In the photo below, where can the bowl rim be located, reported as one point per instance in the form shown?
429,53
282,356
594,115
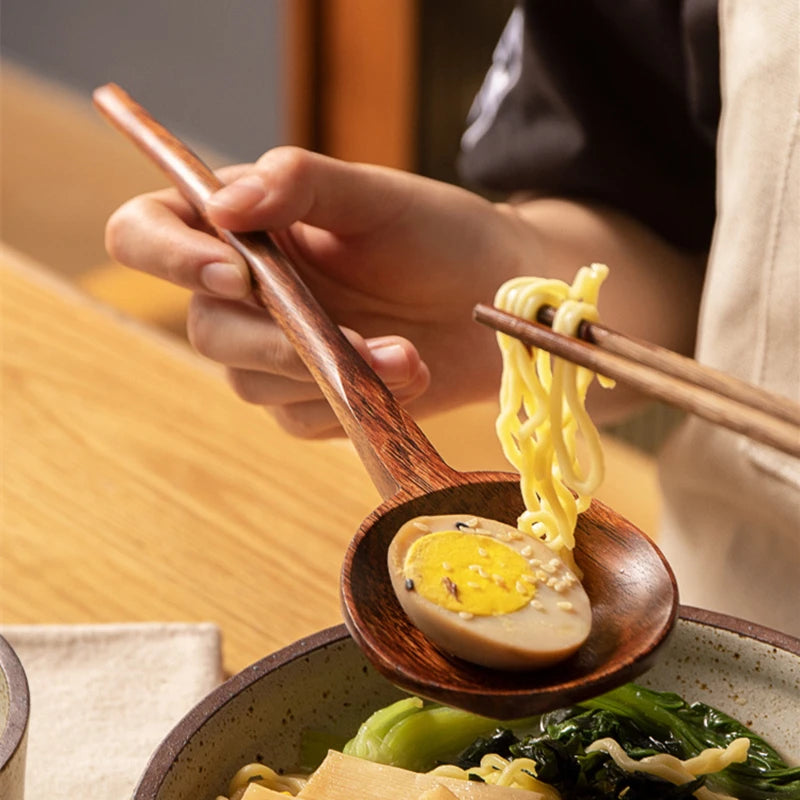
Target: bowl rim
170,748
19,703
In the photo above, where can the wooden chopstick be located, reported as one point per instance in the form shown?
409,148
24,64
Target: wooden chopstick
682,367
660,373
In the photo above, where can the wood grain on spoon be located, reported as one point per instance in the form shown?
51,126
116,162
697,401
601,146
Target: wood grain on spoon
630,585
383,433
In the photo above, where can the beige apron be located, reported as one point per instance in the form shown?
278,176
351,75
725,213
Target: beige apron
732,507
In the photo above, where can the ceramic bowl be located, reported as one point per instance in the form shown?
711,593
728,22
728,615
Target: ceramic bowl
324,683
14,713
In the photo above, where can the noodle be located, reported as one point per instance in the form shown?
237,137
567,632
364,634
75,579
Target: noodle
517,773
674,770
542,414
266,777
541,421
520,773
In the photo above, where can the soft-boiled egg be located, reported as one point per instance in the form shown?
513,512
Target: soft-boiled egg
488,593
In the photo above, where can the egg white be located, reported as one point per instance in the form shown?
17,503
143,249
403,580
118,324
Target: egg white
544,631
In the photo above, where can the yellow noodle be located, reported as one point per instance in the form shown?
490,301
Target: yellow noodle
517,773
520,773
542,413
541,421
264,776
672,769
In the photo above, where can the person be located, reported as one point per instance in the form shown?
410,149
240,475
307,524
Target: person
599,122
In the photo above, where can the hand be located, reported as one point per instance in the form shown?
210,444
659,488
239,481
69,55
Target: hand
397,260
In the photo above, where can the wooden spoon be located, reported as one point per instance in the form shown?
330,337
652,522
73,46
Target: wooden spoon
629,583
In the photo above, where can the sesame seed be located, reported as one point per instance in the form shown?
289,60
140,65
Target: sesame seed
526,551
521,587
537,604
564,605
482,552
446,566
465,615
421,526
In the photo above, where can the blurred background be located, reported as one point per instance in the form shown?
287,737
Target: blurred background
368,80
383,81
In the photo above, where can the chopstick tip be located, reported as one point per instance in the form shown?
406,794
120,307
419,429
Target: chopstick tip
103,93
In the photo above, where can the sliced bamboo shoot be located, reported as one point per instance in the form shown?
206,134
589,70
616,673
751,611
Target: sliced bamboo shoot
256,792
439,793
342,777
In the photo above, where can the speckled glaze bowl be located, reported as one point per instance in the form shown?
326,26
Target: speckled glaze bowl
324,683
14,714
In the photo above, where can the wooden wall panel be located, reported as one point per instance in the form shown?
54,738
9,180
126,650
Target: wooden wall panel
353,67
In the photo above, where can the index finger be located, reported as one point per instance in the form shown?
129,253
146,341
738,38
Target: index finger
161,234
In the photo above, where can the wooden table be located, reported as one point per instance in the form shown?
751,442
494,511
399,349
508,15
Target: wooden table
136,486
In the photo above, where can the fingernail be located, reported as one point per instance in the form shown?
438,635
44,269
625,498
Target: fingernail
390,361
241,195
224,279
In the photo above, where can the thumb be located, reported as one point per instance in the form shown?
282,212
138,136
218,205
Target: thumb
395,361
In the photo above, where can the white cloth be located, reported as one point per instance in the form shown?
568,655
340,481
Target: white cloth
104,696
732,506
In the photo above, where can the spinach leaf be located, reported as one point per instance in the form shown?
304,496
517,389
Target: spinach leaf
499,741
665,716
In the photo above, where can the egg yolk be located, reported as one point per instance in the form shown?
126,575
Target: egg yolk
469,573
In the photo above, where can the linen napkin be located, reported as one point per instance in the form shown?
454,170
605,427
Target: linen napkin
104,696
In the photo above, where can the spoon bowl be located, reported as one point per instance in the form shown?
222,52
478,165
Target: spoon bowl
631,588
629,584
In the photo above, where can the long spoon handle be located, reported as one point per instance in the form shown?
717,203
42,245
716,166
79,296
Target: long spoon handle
394,450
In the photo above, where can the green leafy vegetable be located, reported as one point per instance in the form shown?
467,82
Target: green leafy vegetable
559,752
499,741
368,743
415,736
695,727
406,734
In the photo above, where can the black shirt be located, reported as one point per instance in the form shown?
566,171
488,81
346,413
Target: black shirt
613,101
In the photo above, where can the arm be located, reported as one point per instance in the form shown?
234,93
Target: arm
399,261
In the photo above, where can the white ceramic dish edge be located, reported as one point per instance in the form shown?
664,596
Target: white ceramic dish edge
259,713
